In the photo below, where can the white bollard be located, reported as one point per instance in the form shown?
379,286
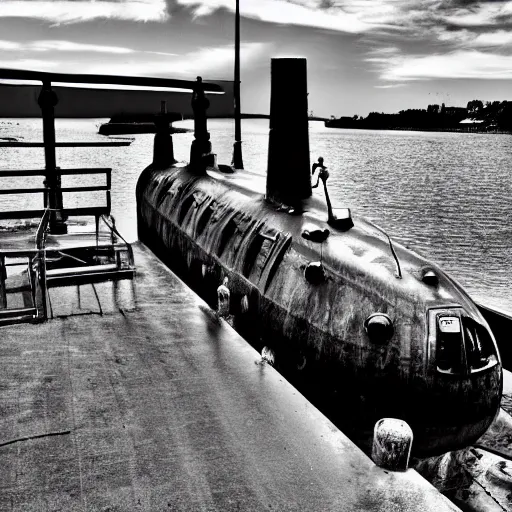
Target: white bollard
392,442
223,298
244,304
267,355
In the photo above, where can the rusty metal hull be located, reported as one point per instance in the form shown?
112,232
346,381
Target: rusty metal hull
207,227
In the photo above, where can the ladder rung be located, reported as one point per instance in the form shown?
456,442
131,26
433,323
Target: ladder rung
20,288
71,212
6,173
15,312
94,277
54,272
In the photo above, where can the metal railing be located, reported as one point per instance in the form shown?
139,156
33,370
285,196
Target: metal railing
38,276
47,265
52,185
31,282
66,212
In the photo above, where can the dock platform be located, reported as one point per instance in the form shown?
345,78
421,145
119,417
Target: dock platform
149,403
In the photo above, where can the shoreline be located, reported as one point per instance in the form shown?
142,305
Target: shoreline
410,129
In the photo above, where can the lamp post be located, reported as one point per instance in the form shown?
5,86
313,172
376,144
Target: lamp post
237,161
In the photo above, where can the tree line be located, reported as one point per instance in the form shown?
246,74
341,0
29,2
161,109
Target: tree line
479,115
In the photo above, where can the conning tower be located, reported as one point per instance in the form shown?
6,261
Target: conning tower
288,174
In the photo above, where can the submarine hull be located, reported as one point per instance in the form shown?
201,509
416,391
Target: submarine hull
206,229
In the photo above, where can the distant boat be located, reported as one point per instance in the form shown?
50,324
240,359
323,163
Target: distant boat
138,123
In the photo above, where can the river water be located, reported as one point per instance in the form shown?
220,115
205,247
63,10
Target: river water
445,195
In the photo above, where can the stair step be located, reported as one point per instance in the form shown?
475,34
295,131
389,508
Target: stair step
78,278
17,312
57,272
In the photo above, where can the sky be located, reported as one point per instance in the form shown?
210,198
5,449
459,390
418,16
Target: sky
363,55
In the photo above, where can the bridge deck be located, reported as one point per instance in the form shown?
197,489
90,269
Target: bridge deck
158,407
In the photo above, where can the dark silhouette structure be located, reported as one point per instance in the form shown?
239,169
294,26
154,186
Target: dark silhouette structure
288,175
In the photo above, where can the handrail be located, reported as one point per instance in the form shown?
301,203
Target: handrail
72,78
93,144
7,173
41,230
10,191
70,212
40,239
114,230
99,210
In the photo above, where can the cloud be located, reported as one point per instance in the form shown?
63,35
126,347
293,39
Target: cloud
61,11
479,14
468,39
32,64
498,38
283,12
63,46
458,64
389,86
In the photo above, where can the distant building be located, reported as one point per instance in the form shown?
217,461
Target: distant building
472,122
469,124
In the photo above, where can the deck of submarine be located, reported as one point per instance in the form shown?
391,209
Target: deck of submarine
154,405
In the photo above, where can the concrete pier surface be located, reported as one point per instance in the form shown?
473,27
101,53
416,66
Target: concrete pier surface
154,405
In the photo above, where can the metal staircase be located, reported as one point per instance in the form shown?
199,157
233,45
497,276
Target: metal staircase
56,254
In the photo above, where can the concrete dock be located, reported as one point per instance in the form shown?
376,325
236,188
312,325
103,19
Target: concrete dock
154,405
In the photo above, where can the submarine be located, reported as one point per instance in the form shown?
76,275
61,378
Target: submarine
363,326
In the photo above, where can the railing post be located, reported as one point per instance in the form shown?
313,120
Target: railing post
163,150
42,277
201,155
47,101
3,277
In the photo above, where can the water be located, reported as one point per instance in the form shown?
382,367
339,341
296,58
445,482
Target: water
445,195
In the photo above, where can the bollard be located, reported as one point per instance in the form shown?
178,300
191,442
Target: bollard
392,442
268,355
244,304
223,298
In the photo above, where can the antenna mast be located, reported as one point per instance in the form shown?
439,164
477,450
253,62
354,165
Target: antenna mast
237,162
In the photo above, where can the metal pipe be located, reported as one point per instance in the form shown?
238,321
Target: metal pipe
20,74
47,101
237,162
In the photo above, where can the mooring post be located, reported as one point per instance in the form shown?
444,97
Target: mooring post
201,155
288,174
392,442
163,149
223,298
47,101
